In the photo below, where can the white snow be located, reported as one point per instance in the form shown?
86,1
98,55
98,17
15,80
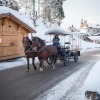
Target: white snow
87,46
71,88
59,91
94,37
92,82
12,63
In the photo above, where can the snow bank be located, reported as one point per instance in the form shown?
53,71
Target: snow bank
92,82
87,46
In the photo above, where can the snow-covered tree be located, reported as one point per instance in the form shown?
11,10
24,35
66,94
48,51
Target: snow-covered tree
26,5
10,3
52,10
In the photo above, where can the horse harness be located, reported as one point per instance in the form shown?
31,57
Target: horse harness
44,47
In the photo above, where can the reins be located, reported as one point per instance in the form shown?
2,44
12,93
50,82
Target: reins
41,48
29,49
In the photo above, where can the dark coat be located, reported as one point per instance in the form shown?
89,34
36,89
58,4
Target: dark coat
56,41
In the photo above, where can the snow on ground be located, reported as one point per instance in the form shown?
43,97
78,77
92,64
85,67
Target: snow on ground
87,46
63,88
71,88
14,63
92,83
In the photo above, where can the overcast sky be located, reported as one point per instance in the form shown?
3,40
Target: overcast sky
75,10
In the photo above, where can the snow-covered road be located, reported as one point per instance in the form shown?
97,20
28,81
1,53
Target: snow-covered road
71,88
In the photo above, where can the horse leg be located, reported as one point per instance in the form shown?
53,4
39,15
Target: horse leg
53,66
41,65
27,64
54,58
33,60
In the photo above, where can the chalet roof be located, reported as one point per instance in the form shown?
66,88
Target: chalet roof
27,23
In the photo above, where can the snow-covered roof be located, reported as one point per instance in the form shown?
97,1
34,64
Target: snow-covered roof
57,31
93,25
5,10
94,37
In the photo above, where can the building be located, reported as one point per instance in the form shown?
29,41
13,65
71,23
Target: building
13,27
88,28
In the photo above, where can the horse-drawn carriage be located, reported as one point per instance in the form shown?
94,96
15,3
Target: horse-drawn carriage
66,51
50,53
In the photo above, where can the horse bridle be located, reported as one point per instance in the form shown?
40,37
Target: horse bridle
27,47
39,47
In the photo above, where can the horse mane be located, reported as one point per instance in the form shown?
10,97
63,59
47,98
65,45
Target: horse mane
29,40
39,39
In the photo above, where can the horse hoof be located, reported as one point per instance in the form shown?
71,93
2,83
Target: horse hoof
41,70
27,70
34,68
53,67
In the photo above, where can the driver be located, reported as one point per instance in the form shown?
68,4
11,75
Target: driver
56,40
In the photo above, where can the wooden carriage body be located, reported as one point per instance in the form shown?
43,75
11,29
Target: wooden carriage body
12,31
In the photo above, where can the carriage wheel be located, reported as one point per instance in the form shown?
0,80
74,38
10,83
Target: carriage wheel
75,57
49,61
66,59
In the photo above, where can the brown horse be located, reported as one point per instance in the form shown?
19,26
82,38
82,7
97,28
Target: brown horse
27,43
44,52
